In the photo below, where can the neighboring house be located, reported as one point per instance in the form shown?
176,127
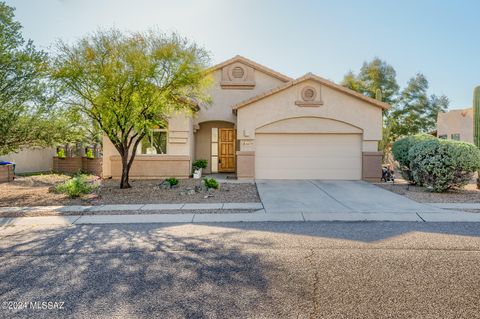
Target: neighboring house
265,125
456,125
31,160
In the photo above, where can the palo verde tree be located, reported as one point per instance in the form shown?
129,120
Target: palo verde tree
131,83
28,113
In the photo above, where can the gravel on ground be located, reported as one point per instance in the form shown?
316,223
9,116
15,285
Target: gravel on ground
37,191
147,192
469,194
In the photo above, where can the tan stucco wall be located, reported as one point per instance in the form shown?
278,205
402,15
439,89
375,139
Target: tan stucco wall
154,166
180,142
456,122
336,106
371,164
203,140
31,159
245,165
223,99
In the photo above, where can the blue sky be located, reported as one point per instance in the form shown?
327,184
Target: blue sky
438,38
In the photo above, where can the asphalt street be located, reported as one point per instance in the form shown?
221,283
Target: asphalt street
242,270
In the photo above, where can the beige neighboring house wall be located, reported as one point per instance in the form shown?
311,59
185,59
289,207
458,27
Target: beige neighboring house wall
305,128
456,122
31,160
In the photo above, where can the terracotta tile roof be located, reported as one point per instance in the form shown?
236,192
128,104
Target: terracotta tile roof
311,76
253,64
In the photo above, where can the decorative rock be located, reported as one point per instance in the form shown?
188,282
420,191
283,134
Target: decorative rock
191,192
200,188
164,185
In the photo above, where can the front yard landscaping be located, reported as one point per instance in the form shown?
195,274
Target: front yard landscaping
468,194
38,190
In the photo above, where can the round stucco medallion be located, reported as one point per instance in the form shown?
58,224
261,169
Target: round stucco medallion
238,72
309,93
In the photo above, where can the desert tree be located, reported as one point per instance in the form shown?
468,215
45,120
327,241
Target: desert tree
29,115
131,83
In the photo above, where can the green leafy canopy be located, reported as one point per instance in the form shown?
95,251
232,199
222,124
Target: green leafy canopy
28,113
413,109
131,83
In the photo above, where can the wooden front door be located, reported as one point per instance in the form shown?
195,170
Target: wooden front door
226,150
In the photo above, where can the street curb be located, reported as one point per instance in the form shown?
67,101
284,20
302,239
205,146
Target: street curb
258,216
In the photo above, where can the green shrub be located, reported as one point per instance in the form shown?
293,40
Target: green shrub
172,181
210,183
400,151
89,153
201,163
61,153
75,187
443,164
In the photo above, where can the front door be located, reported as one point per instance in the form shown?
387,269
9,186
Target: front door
226,150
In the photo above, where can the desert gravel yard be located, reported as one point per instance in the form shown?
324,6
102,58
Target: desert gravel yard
469,194
37,191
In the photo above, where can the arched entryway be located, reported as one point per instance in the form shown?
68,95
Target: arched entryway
216,142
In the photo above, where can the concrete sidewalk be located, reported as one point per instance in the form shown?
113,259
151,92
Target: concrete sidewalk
258,216
133,207
456,205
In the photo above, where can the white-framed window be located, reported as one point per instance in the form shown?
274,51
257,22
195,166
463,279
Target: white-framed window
154,143
443,136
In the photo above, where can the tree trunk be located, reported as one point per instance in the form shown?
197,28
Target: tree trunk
124,182
124,150
478,179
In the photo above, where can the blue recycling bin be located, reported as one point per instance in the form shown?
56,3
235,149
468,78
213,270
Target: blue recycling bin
6,163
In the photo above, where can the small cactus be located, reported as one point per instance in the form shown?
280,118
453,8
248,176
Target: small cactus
378,95
476,123
476,116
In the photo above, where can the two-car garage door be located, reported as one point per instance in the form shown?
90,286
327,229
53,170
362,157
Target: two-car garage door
308,156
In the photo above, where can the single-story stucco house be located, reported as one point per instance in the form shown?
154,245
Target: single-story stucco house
456,125
265,125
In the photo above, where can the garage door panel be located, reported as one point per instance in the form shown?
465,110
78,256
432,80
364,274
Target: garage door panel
308,156
309,162
308,174
299,152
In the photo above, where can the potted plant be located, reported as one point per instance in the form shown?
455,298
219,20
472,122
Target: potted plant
89,154
198,166
61,153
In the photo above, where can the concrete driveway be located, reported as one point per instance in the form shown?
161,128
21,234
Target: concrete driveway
321,196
